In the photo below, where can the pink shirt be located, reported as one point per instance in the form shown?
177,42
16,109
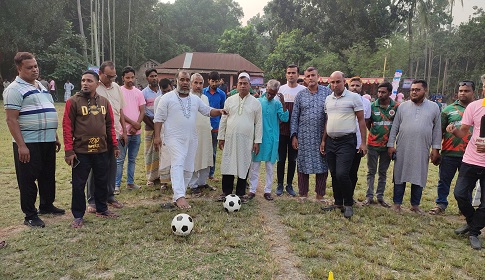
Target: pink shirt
473,116
52,85
133,100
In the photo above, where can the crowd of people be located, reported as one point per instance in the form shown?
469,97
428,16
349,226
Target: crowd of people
305,128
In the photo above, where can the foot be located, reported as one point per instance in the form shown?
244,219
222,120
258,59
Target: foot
182,203
211,177
150,183
290,191
115,204
463,229
77,223
251,195
333,207
475,242
163,186
320,198
368,201
279,190
348,212
117,191
268,196
383,203
133,187
3,244
107,215
207,186
196,192
397,208
52,210
437,210
221,197
302,199
34,222
417,210
91,209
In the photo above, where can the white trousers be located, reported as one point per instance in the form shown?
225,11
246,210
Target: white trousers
254,176
199,178
180,179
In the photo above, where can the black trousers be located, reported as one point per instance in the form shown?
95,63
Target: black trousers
98,163
228,185
41,167
354,169
340,155
284,149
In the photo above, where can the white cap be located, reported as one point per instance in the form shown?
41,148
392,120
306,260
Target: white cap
243,74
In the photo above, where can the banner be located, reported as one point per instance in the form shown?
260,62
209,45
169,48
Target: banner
406,83
395,81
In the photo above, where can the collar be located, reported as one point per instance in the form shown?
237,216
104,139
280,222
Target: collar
101,83
343,94
391,102
22,81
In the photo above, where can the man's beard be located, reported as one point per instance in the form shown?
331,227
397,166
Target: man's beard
86,93
182,91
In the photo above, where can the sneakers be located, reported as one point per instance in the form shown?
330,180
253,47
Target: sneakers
251,195
77,223
463,229
115,204
133,187
290,191
52,210
475,242
34,222
107,214
117,191
348,212
279,190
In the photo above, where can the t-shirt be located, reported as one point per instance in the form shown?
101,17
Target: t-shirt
216,100
453,146
134,99
115,97
366,104
400,97
341,113
290,94
52,85
381,124
150,97
473,116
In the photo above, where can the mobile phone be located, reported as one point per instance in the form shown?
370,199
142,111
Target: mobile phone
75,162
122,142
393,156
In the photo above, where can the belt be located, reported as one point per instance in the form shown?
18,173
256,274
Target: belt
344,137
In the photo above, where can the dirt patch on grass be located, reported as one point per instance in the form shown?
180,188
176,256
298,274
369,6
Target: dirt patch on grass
277,237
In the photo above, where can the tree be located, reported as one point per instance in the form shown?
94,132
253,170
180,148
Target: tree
243,41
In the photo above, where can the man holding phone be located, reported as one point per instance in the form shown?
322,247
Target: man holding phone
89,132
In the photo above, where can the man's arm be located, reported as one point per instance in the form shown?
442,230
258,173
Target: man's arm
324,137
124,134
363,132
157,141
14,128
148,121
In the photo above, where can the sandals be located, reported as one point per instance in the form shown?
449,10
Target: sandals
150,183
3,244
107,214
436,210
77,223
268,197
368,201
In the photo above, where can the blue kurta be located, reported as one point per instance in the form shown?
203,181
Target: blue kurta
272,115
307,124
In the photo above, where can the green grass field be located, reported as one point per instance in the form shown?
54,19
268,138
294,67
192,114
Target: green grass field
283,239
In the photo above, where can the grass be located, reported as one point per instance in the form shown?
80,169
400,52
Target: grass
376,244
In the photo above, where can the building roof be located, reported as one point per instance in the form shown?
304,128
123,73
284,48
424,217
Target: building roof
224,63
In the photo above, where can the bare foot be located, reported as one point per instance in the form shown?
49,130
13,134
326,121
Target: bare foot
417,210
182,203
397,208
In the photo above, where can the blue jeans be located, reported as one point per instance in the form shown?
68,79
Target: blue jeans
467,178
132,146
448,167
416,193
214,150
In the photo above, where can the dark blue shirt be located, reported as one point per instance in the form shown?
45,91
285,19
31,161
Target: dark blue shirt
216,101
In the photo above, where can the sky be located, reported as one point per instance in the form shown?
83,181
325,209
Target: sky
460,13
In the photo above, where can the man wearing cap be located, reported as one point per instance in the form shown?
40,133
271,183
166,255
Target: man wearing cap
240,134
216,97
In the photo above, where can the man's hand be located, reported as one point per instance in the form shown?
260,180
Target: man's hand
221,144
363,149
136,125
58,146
117,153
157,143
451,128
390,151
294,143
435,157
256,148
132,131
24,154
322,148
70,160
480,148
224,112
125,137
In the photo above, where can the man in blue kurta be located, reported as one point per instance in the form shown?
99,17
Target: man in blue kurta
273,113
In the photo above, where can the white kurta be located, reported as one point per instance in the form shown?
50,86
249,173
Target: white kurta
240,129
179,132
203,157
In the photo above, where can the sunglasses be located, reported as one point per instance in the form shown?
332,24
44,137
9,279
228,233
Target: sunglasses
467,83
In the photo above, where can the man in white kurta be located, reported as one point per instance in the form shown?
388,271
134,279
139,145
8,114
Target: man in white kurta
240,133
204,154
177,112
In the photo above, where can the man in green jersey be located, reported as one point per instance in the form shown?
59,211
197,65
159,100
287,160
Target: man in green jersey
453,147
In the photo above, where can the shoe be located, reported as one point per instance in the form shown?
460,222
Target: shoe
163,186
290,191
196,192
34,222
437,210
52,210
417,210
244,199
332,207
207,186
116,204
77,223
348,212
251,195
383,203
279,190
475,242
221,197
268,197
117,191
368,201
91,209
463,229
133,187
397,208
150,183
106,214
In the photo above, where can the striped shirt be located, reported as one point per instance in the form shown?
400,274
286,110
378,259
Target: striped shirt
37,117
341,113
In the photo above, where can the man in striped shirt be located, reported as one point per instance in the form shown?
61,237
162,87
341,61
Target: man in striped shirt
32,121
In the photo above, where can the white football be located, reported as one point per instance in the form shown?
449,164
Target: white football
182,224
232,203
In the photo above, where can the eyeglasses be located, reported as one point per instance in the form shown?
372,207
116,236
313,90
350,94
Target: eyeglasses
112,77
416,89
467,83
